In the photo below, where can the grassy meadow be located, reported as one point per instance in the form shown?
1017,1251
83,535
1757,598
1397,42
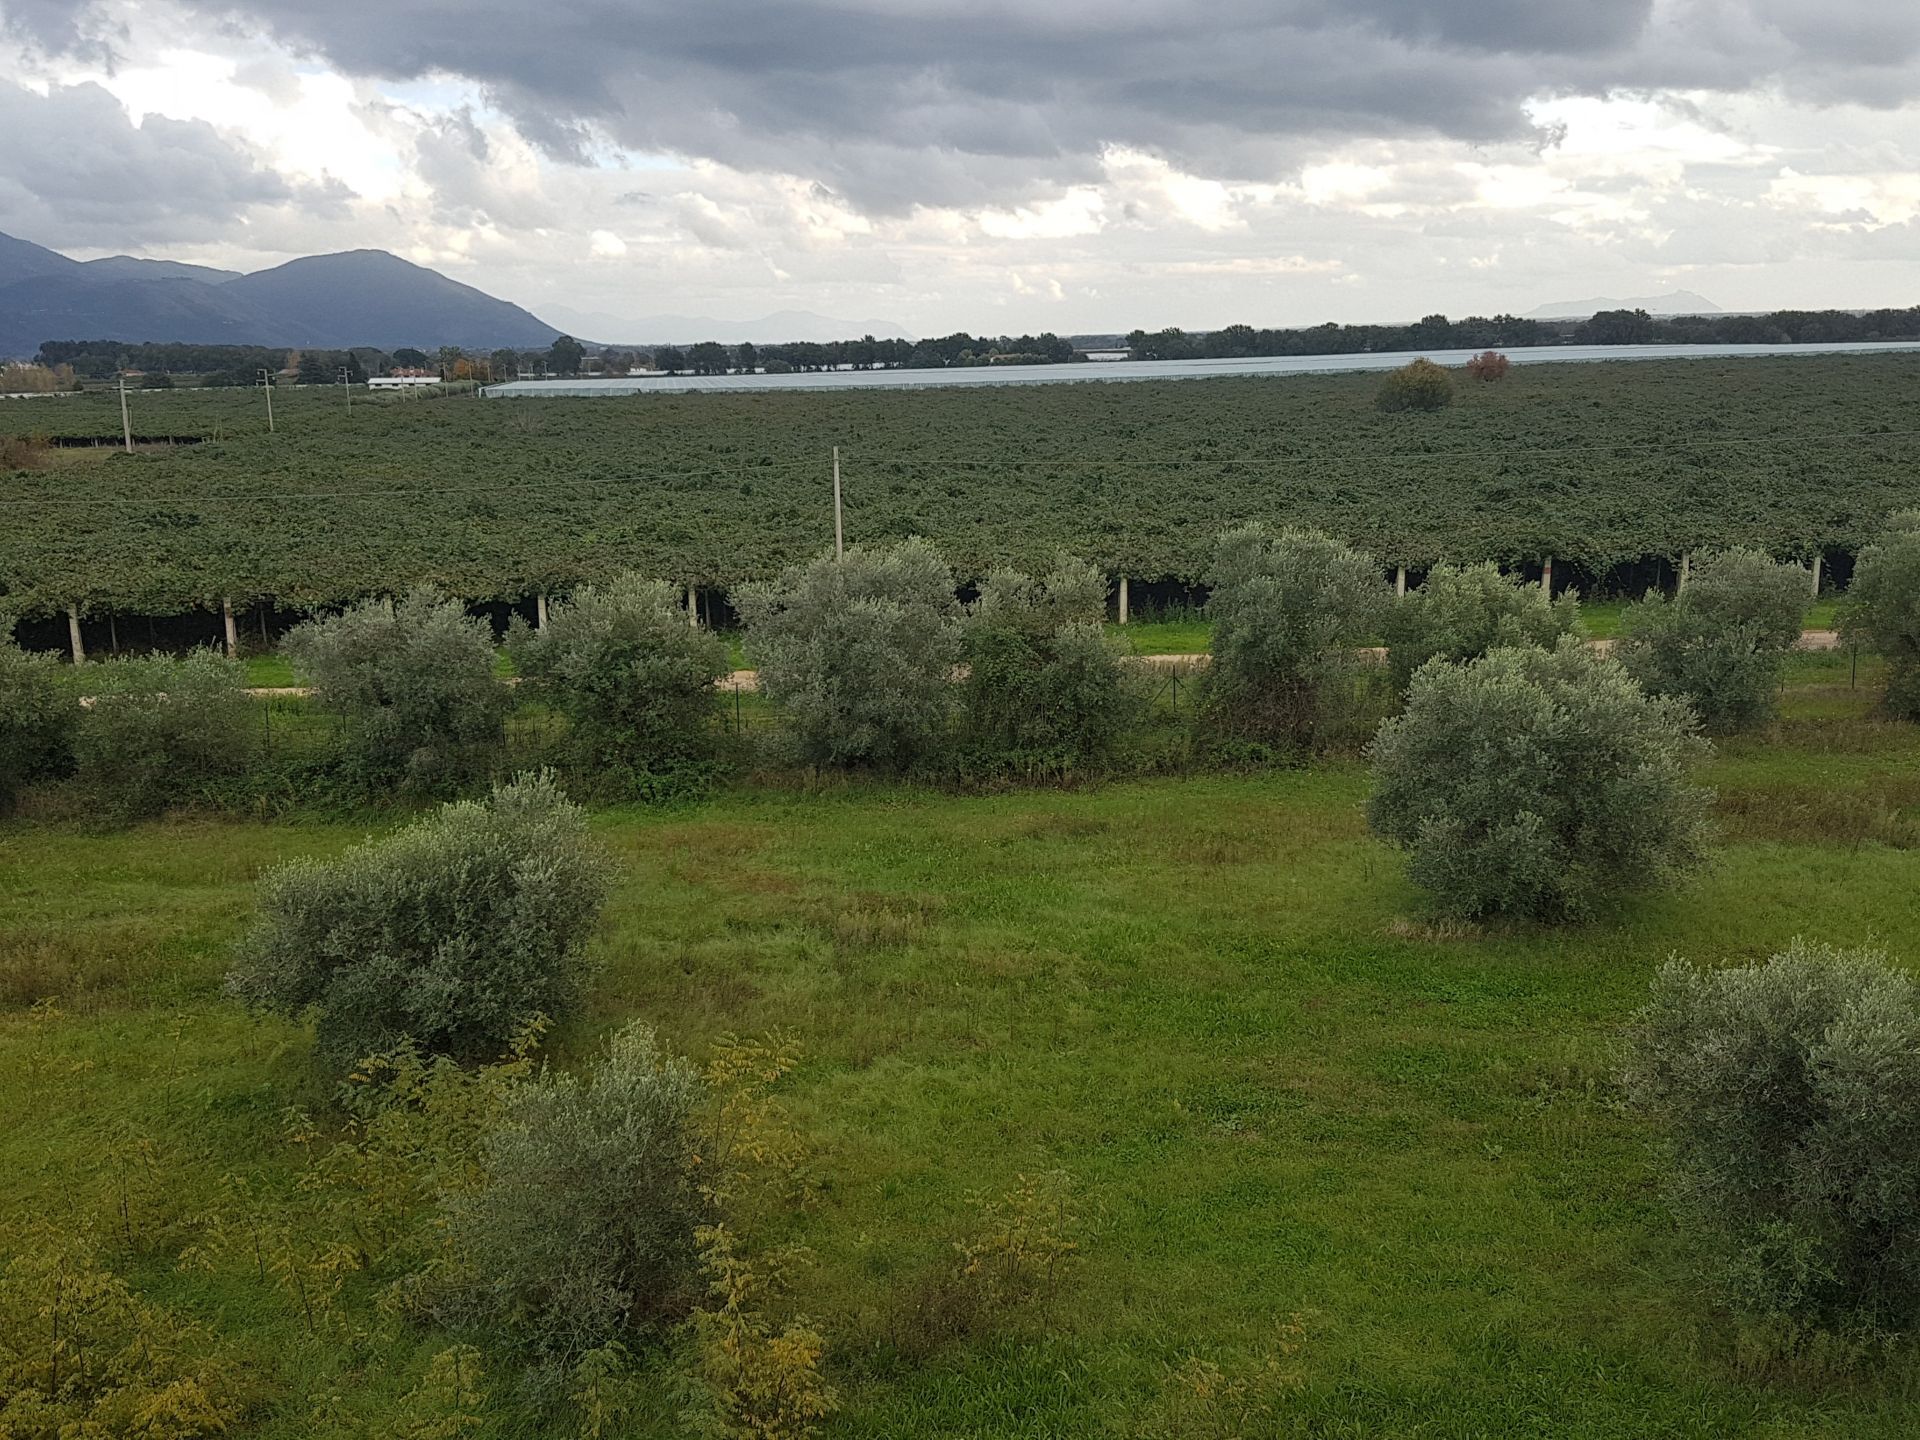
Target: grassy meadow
1371,1167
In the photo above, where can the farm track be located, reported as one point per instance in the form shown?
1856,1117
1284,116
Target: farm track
747,681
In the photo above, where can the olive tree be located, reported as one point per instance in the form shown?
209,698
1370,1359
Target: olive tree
1790,1094
1537,783
1721,643
156,731
37,717
1047,690
859,653
1460,612
1883,609
582,1231
412,686
1290,610
450,933
634,680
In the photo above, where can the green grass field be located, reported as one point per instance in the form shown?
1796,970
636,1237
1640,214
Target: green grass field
1282,1093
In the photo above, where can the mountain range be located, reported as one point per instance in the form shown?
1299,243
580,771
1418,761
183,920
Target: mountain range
1674,302
358,297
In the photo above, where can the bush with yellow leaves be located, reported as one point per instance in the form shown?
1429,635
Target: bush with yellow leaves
82,1355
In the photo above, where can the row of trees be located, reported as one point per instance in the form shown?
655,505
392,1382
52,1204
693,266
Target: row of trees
872,662
1476,332
710,357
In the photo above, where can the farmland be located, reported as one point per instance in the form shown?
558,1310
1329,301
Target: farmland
1372,1168
1613,469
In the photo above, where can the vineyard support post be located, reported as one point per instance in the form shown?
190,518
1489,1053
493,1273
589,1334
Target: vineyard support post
540,610
839,534
1400,582
1546,576
73,635
233,634
1123,599
126,424
693,608
1817,558
1686,564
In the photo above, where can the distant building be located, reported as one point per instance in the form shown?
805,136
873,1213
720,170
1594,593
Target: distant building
1108,354
401,382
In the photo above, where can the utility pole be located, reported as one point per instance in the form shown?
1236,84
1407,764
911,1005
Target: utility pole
126,425
346,379
839,534
266,384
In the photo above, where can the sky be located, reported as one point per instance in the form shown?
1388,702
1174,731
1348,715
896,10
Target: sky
990,165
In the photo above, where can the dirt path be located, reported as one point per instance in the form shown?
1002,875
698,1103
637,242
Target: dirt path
747,681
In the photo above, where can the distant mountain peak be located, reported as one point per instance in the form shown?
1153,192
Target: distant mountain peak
1673,302
350,298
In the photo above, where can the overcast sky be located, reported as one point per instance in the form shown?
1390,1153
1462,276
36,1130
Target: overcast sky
991,165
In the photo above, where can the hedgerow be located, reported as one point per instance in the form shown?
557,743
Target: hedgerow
858,654
411,685
1722,642
634,680
1290,610
1883,609
1047,692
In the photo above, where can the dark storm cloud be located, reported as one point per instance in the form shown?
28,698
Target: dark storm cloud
895,102
76,171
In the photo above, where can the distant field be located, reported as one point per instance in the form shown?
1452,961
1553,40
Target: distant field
1613,469
1283,1098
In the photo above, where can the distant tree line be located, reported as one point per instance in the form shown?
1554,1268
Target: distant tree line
240,364
1477,332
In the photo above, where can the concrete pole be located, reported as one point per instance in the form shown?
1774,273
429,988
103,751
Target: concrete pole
73,635
1123,599
126,424
1546,576
1686,564
233,635
1817,558
1400,582
839,535
540,611
693,609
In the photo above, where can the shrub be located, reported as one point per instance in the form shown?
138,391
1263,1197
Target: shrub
82,1355
1720,643
1489,365
157,732
635,681
413,687
1418,385
584,1228
1289,611
1047,691
451,933
1883,609
859,653
1537,782
1460,612
1791,1095
22,452
36,719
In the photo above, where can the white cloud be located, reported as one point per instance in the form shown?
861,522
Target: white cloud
1756,193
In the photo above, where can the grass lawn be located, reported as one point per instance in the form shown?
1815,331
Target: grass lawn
1214,1002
